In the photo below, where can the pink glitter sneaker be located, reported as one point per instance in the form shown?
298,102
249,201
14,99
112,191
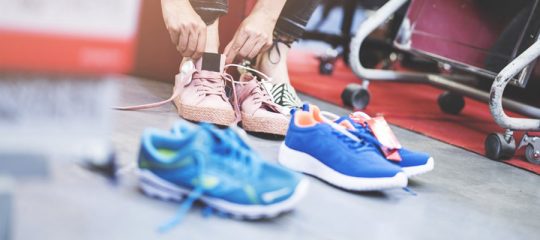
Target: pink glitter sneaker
258,112
202,98
199,92
199,95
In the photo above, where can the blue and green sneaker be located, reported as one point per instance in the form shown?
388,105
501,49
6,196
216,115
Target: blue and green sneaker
215,166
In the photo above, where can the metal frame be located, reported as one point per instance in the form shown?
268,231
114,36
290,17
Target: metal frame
366,28
497,89
447,82
402,42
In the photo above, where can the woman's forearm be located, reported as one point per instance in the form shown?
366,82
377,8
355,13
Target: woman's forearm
269,9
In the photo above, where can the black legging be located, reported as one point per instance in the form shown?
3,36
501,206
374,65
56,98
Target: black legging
290,25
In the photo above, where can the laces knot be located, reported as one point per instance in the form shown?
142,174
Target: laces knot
353,144
209,83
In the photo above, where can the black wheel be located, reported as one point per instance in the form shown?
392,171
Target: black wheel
451,103
356,96
326,67
532,155
498,148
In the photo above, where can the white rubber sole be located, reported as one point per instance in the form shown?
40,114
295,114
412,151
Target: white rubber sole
417,170
156,187
305,163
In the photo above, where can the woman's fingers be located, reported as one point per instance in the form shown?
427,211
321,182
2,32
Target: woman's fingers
201,45
174,37
256,49
189,38
249,40
247,47
267,44
186,28
232,49
192,44
182,42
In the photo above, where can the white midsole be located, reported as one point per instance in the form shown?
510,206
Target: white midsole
168,190
302,162
417,170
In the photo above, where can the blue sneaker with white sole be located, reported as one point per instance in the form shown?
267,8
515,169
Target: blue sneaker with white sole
329,152
201,162
412,163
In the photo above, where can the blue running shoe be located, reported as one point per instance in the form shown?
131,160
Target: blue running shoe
329,152
412,163
204,163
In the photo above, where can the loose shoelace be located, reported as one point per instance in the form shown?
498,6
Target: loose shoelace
211,85
355,144
360,132
237,160
365,134
354,138
187,70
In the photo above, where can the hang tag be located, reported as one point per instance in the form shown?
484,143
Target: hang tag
383,133
211,62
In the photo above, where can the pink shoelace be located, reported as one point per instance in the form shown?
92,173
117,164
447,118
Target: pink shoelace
209,83
186,74
212,85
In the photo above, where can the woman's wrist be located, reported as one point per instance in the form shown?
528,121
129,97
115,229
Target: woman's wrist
265,16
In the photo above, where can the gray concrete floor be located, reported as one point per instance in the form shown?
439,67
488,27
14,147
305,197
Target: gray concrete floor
466,197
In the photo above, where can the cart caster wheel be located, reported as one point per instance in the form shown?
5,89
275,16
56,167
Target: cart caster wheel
356,96
451,103
326,67
532,155
498,148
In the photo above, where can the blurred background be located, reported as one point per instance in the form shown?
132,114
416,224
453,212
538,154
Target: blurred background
62,63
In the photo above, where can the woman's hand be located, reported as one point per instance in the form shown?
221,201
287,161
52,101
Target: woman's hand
185,26
253,36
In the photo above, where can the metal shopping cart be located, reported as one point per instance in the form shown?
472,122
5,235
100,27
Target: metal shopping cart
472,40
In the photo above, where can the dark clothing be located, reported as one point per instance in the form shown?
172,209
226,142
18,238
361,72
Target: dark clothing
290,24
210,10
294,17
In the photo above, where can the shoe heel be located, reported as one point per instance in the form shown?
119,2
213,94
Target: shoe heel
154,187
